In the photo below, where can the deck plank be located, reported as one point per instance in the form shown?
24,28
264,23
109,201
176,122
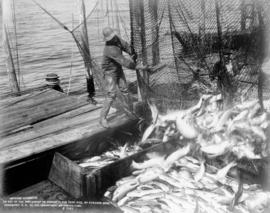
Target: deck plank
47,120
54,140
37,108
51,126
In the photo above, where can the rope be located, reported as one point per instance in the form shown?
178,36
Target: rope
20,77
91,12
71,63
199,54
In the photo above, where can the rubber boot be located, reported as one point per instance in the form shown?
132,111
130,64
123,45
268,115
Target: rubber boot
104,112
129,102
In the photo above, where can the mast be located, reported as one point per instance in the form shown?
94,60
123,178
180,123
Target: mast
219,31
86,51
137,22
261,54
9,33
202,26
153,7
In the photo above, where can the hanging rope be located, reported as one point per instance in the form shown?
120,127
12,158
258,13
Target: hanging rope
71,62
20,77
195,48
91,12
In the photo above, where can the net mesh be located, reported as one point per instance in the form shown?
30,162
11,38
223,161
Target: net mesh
189,36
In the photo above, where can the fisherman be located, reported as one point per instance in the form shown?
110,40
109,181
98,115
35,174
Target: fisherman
53,82
112,63
225,72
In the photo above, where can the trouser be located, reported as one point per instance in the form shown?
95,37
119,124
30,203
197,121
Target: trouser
227,92
114,82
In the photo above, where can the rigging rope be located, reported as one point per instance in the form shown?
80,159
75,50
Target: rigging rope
20,77
71,62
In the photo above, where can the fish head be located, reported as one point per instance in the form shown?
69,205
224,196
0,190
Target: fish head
154,111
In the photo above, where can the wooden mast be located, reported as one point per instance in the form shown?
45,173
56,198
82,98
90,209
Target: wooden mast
219,31
86,51
8,35
261,54
202,26
141,20
137,23
153,7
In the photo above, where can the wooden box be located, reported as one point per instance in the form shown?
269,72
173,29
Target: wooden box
91,184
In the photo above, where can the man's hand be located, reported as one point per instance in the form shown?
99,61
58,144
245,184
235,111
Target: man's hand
141,67
134,57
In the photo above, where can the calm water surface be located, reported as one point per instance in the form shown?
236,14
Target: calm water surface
44,47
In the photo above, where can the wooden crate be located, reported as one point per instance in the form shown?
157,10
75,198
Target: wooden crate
91,184
68,175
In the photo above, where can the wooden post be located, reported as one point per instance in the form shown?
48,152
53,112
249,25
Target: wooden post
261,54
138,26
219,31
8,35
86,52
143,39
202,26
153,7
117,18
243,15
132,15
172,40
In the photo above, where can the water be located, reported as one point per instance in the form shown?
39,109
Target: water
45,47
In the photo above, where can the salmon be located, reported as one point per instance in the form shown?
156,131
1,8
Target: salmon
223,120
142,193
158,161
247,105
198,176
162,186
175,156
253,111
127,209
121,191
173,207
186,127
215,150
123,201
171,181
221,174
259,132
148,132
149,175
241,116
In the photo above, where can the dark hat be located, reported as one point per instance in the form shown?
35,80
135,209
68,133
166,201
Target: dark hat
227,52
52,76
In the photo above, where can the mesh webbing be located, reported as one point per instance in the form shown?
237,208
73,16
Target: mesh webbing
185,35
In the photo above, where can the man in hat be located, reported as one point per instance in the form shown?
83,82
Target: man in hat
112,63
53,82
224,72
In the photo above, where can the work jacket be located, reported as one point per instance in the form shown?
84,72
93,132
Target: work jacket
113,59
225,81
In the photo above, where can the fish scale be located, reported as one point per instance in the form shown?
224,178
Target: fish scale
213,191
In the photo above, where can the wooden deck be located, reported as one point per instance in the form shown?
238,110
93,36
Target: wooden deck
44,120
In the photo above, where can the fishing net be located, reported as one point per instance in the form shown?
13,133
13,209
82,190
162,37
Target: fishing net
189,37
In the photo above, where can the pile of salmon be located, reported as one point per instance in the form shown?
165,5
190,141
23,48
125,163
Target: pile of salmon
183,181
109,157
184,185
238,131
